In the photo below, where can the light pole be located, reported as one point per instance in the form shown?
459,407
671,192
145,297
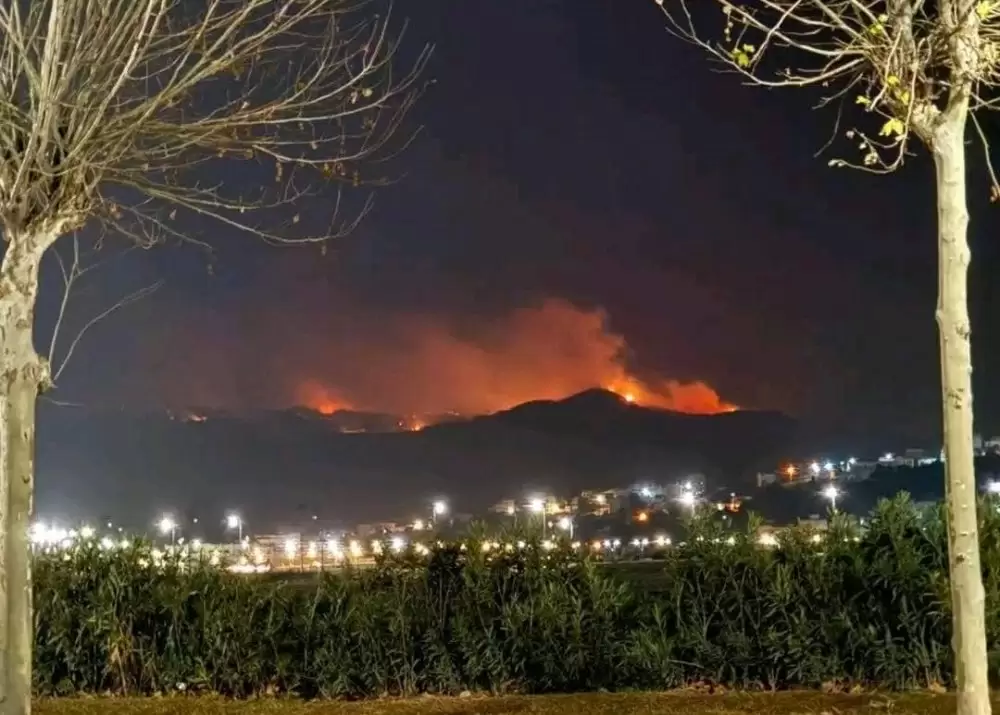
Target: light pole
831,493
538,507
688,499
233,521
169,526
438,508
566,524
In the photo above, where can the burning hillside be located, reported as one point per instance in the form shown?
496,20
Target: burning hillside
411,365
544,353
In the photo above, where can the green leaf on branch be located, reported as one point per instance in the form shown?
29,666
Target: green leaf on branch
878,28
892,127
742,55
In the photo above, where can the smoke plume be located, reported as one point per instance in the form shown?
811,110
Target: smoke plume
426,366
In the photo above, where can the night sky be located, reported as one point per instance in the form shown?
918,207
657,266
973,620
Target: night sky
576,163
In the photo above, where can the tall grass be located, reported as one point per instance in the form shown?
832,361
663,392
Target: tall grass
857,608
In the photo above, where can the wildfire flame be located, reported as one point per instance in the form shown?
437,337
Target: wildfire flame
546,353
418,365
317,397
695,398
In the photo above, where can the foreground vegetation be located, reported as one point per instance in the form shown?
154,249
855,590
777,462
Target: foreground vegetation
854,608
593,704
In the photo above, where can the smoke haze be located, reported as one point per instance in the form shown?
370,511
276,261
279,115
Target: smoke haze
545,352
411,364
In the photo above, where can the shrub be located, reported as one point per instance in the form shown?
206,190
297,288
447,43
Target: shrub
858,607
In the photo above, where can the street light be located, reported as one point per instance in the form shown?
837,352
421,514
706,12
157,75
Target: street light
688,498
566,524
169,526
831,492
537,506
438,508
234,522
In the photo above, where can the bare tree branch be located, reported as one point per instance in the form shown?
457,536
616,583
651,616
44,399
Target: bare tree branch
72,270
922,68
892,59
124,110
129,113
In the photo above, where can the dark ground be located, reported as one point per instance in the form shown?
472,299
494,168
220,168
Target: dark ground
685,703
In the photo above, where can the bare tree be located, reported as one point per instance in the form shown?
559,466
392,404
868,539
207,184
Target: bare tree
919,71
78,264
126,113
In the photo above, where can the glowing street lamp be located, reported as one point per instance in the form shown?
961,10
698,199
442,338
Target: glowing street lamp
831,493
537,506
438,509
235,523
169,526
566,524
688,498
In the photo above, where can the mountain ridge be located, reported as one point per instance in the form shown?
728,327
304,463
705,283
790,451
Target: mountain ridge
280,467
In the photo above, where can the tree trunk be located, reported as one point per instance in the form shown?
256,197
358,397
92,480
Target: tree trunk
967,596
22,373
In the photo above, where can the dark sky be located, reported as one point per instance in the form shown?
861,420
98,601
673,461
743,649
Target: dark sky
575,158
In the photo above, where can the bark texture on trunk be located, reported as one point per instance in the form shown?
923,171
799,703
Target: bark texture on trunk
22,373
967,596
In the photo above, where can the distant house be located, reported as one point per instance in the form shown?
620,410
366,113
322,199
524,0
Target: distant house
765,479
506,507
378,529
601,502
991,445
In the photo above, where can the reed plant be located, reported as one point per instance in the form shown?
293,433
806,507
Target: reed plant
861,605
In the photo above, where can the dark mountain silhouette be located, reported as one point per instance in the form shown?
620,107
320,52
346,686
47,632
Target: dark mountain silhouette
281,468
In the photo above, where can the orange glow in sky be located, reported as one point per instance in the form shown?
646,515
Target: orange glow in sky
547,352
315,396
691,397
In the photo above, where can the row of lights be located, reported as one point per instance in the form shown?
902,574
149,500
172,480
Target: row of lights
817,468
396,545
44,535
168,526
